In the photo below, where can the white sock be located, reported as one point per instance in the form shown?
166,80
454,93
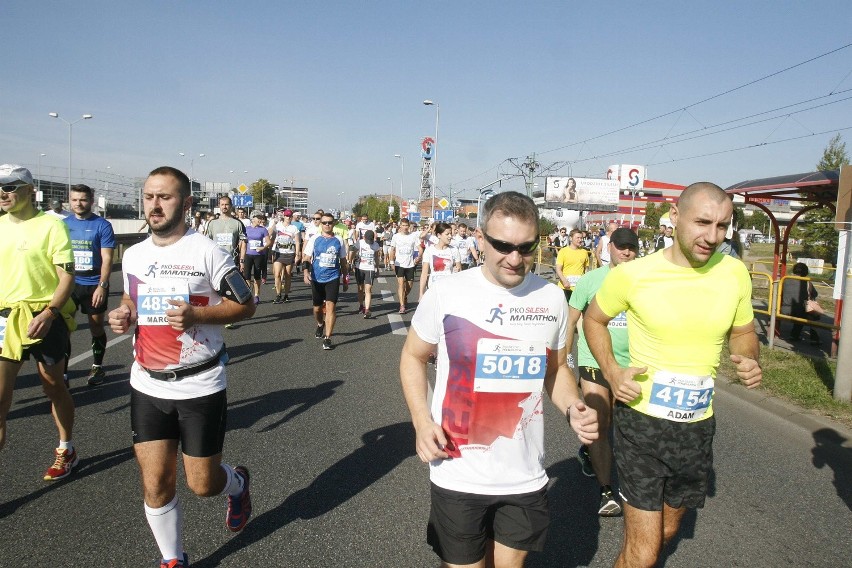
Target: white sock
66,446
167,525
233,483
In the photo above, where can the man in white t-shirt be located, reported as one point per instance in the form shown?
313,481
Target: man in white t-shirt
500,336
364,225
466,245
602,250
403,246
56,209
179,288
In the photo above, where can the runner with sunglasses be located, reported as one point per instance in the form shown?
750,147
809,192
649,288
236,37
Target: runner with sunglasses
500,334
325,264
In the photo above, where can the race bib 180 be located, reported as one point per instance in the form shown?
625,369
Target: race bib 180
509,365
83,260
152,300
679,397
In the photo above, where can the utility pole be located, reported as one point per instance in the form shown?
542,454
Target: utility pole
531,169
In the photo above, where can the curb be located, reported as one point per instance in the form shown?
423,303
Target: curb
783,409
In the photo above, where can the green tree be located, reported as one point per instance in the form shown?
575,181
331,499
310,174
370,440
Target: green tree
375,208
652,215
263,193
819,239
758,220
545,226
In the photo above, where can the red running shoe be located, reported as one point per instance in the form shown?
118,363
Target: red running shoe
62,465
239,507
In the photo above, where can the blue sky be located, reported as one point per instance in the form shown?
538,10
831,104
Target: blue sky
326,93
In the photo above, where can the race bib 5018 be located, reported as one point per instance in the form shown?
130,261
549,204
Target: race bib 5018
509,365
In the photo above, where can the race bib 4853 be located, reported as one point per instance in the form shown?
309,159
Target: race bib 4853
152,300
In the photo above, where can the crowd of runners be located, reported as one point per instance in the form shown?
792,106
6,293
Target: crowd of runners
499,336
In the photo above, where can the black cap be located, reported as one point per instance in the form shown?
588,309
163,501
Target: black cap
624,237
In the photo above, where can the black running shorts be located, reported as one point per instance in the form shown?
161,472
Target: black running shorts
460,524
593,375
253,266
82,296
660,460
199,423
407,273
364,276
325,291
53,347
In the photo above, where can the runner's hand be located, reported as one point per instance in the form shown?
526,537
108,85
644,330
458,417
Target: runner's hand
119,319
40,325
98,297
584,421
182,317
624,385
430,442
748,370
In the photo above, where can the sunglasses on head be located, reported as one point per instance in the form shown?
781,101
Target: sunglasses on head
12,188
524,249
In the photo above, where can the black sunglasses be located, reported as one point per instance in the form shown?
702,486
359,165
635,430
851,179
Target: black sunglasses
12,188
317,218
524,249
326,222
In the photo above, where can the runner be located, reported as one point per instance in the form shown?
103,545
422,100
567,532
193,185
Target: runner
681,305
177,380
228,233
325,266
439,260
258,242
36,312
365,273
500,335
93,241
403,248
466,245
286,247
571,263
596,459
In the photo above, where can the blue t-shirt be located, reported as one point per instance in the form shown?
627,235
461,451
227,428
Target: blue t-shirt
88,237
327,253
255,236
300,226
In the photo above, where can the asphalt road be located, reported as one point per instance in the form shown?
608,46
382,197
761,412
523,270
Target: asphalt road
335,481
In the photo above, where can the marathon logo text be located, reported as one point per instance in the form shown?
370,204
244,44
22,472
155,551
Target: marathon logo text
179,270
531,313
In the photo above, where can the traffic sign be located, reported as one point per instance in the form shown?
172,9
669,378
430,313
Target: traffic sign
243,200
444,203
443,214
242,189
414,217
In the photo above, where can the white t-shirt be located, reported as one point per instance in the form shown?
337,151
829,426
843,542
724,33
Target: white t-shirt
284,238
492,348
362,228
604,242
191,268
311,230
62,215
367,255
464,244
404,247
441,262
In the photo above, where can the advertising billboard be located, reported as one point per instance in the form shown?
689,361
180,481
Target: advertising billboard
582,194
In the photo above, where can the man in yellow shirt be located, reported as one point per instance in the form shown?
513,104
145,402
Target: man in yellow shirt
571,262
38,277
681,305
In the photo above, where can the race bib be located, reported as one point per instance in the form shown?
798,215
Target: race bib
83,260
618,322
2,331
253,244
224,241
680,398
572,280
285,242
509,365
152,300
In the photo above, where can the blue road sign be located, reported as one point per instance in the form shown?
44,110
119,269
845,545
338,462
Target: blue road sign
414,217
443,214
243,200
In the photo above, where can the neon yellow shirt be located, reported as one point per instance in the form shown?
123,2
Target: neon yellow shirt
677,321
29,252
572,263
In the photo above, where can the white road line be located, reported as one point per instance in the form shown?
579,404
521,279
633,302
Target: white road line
387,296
87,354
397,325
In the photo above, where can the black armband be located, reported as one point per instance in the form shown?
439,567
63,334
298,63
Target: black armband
234,287
306,265
67,267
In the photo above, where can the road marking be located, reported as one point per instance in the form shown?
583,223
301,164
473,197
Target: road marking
87,354
397,324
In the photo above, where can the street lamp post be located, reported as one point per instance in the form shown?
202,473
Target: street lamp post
428,102
40,156
191,169
70,125
401,179
633,203
340,198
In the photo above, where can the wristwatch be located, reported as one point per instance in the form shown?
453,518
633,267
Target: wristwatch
104,284
54,311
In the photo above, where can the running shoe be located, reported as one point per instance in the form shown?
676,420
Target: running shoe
97,376
256,300
277,299
402,309
360,308
320,331
263,281
367,314
62,465
239,507
585,461
326,344
609,506
175,562
286,299
229,326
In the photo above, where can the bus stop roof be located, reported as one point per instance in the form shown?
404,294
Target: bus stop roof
812,186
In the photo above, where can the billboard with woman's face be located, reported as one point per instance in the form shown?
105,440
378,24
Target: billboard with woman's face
582,194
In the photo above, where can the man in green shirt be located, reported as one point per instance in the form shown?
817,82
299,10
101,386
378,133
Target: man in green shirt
596,459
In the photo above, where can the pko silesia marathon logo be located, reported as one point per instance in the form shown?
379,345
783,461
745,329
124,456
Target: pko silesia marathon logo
521,314
176,271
